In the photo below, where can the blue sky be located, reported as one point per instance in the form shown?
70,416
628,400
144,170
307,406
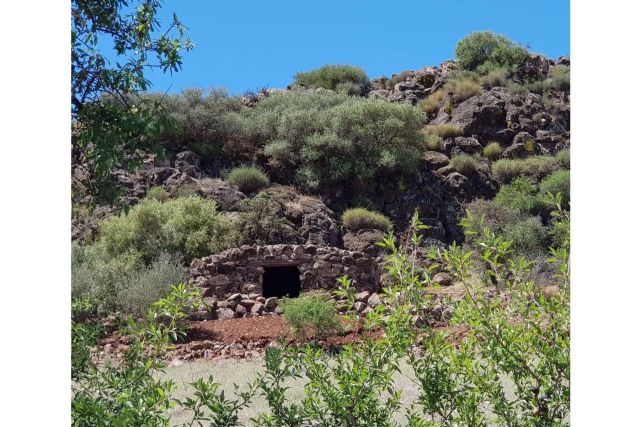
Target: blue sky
244,45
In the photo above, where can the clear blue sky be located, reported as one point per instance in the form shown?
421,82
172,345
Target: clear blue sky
243,45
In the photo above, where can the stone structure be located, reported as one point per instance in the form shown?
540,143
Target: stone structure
279,270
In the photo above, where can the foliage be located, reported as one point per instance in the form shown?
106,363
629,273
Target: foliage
497,77
122,283
564,157
464,164
315,312
558,183
129,394
492,151
431,104
482,214
249,179
111,124
355,219
395,79
334,140
463,88
535,167
189,226
527,236
262,222
520,194
485,51
332,77
203,122
433,142
558,79
158,193
445,130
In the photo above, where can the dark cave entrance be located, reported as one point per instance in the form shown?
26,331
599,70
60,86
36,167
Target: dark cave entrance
280,281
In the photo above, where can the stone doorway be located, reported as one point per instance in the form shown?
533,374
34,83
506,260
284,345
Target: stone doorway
280,281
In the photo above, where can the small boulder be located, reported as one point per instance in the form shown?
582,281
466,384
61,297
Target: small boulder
225,313
443,278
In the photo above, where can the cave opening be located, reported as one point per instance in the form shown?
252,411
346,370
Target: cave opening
281,281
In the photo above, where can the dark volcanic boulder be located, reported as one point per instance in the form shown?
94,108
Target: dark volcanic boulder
364,241
481,115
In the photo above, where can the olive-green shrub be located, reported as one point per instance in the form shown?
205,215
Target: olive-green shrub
325,139
487,213
564,157
249,179
558,182
313,313
158,193
520,194
485,51
262,221
535,167
360,218
188,226
333,77
527,235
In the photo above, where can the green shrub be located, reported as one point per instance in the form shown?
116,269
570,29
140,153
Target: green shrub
313,312
433,142
485,51
560,78
249,179
204,122
520,194
262,222
527,236
557,182
564,157
189,226
497,77
492,151
329,139
445,130
487,213
122,283
158,193
464,164
359,218
535,167
331,76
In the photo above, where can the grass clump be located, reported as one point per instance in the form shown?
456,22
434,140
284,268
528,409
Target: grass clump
433,142
535,167
528,235
464,88
333,77
360,218
497,78
492,151
445,130
484,51
158,193
249,179
431,104
311,313
464,164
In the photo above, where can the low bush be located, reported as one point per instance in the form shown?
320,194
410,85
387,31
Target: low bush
249,179
158,193
355,219
527,236
464,164
331,76
445,130
485,51
492,151
520,194
536,167
122,283
262,222
334,140
487,213
557,183
564,157
313,312
189,226
396,78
